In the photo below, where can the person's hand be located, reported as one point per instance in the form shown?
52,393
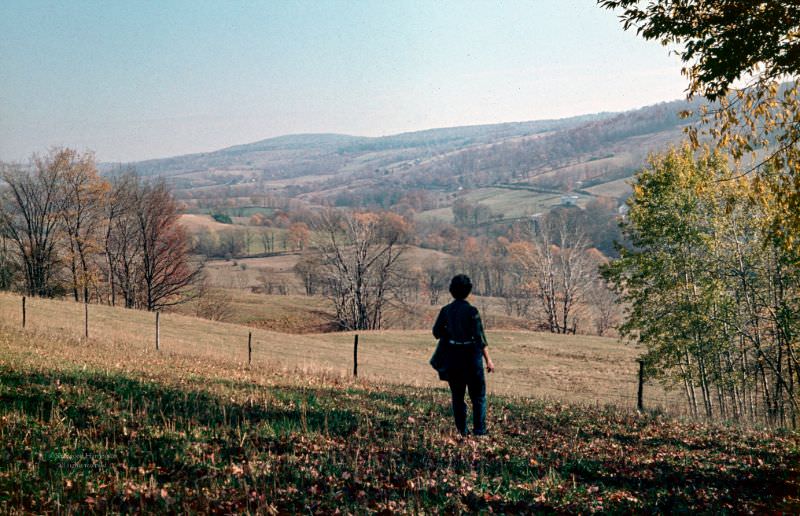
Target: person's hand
490,366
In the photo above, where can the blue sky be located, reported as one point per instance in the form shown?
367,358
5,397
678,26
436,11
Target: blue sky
135,80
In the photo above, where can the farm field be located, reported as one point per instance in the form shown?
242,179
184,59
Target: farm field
509,202
296,313
617,189
281,313
196,222
111,425
592,370
513,203
248,273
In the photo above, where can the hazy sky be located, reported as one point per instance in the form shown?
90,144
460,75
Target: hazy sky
133,80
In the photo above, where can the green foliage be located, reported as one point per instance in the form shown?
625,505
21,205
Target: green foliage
222,218
711,294
721,40
738,52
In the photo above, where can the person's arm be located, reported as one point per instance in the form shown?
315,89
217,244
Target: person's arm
489,363
439,327
482,341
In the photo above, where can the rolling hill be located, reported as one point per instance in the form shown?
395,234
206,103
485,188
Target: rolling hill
571,368
579,153
109,424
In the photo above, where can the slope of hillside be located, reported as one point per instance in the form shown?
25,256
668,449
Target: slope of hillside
307,147
346,169
570,368
106,425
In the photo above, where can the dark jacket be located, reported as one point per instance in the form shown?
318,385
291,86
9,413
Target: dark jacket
458,354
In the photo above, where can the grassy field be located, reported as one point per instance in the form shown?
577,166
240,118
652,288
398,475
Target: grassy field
111,425
616,189
295,313
591,370
247,273
281,313
506,201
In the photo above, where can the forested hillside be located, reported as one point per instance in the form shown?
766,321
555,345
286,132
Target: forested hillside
349,170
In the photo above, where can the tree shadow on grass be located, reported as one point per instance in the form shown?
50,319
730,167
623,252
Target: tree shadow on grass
668,487
84,397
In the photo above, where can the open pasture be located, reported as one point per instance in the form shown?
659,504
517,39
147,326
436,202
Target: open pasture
573,368
109,424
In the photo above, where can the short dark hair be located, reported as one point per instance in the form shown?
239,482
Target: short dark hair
460,286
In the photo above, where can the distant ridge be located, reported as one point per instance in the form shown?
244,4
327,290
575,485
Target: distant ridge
400,140
321,168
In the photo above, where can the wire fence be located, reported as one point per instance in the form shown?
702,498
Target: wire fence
245,345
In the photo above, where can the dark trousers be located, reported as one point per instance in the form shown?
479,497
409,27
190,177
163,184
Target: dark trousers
477,394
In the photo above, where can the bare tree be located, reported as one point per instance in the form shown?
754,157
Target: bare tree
308,268
606,307
165,266
437,278
359,254
122,241
247,240
8,264
517,300
29,217
271,283
559,270
267,239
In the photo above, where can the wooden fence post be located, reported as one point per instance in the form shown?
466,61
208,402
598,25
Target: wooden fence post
355,356
640,396
23,311
85,318
158,329
249,347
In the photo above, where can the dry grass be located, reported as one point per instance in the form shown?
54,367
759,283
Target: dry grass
418,255
286,314
513,203
248,273
582,369
194,223
616,189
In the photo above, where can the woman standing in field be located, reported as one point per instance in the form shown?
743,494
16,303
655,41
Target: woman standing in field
460,353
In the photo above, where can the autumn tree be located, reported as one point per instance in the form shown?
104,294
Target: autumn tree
82,197
744,55
298,235
123,247
117,220
720,41
437,277
309,269
712,295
